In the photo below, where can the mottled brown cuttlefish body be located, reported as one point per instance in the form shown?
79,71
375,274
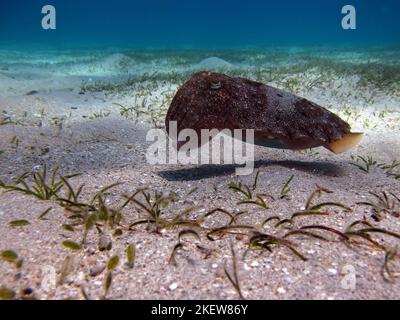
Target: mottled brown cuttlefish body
280,119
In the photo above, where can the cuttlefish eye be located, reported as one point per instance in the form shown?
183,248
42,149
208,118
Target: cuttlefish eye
215,85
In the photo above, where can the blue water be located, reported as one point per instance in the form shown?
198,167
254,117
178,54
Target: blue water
198,24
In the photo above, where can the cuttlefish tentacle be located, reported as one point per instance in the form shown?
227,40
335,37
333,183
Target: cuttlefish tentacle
280,119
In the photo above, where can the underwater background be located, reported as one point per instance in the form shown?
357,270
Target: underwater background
198,24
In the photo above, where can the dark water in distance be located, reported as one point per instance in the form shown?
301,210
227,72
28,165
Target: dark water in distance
198,24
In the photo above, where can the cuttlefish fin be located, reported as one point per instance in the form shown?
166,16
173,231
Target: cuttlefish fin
347,142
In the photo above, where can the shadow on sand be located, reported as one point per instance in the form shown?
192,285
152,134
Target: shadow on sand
99,145
209,171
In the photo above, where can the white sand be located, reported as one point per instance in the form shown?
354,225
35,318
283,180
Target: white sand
85,133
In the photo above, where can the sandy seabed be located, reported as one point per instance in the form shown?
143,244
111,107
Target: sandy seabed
88,112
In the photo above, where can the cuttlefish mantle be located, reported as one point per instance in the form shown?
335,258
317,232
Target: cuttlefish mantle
279,119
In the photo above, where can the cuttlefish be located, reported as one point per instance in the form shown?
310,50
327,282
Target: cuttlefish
279,119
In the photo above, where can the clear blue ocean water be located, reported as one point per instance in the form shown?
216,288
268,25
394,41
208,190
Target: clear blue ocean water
198,24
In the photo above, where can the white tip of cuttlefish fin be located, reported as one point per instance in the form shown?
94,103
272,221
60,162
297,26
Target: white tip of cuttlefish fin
347,142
